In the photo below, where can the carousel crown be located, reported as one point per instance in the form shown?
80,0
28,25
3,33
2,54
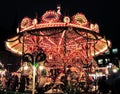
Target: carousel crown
54,19
71,34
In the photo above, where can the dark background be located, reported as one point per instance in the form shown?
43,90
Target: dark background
103,12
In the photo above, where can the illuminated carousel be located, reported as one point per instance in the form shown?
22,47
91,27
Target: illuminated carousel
66,41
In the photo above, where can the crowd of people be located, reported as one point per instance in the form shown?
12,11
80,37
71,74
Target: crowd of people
71,79
13,82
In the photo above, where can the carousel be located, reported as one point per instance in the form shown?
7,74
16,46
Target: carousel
65,46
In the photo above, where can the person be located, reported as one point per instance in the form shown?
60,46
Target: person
116,85
4,81
14,82
40,84
1,66
9,79
102,85
22,84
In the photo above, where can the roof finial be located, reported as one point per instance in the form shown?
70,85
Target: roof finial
59,9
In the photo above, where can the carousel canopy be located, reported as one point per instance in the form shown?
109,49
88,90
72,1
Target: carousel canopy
61,37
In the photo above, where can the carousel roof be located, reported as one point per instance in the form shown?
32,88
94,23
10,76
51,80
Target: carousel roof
59,36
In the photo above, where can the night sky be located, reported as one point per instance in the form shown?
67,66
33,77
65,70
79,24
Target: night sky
102,12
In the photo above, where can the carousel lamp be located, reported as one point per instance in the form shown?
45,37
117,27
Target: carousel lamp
66,19
35,21
94,27
25,67
114,70
41,67
18,30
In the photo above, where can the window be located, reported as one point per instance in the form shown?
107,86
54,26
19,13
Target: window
107,60
100,61
115,51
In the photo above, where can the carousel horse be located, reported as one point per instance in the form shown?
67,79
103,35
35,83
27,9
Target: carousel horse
44,83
